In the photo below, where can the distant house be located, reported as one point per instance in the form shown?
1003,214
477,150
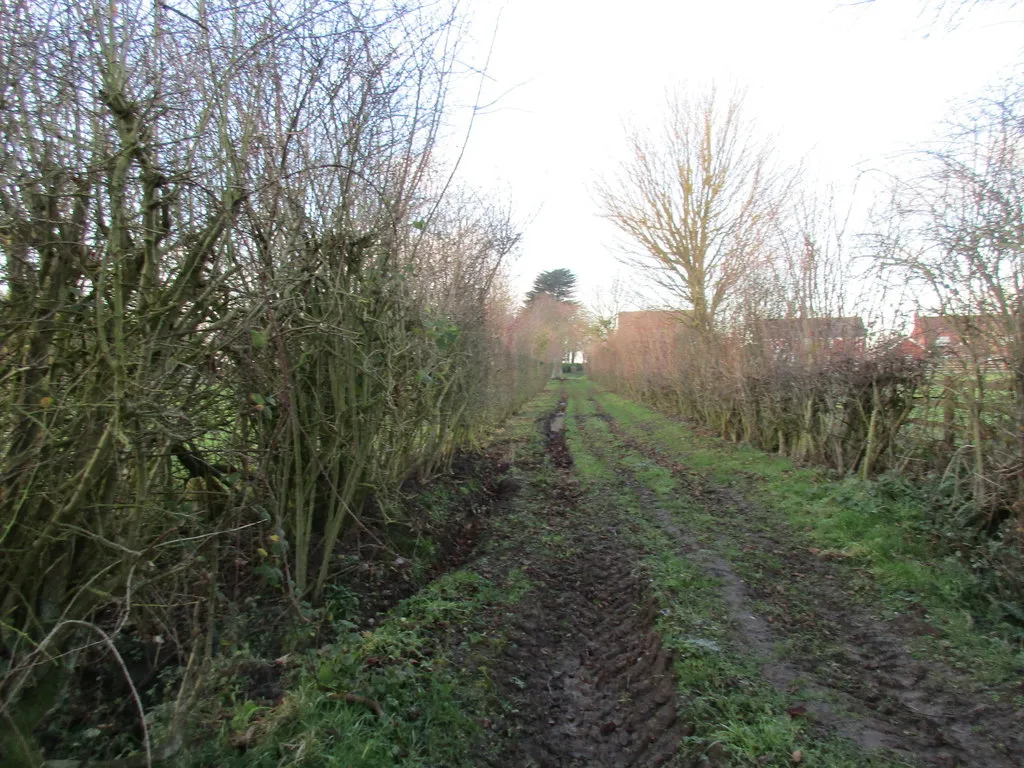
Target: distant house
810,336
649,322
980,337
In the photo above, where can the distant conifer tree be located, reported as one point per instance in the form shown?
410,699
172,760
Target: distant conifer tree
560,284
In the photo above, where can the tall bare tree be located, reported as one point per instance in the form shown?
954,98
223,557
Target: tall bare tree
696,201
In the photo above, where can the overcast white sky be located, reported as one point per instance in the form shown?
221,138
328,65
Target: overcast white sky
839,86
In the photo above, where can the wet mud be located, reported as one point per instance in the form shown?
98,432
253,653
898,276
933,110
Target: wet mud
585,670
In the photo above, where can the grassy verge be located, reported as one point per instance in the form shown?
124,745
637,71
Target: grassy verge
412,688
403,693
735,714
876,527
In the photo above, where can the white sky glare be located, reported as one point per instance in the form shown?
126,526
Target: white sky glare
837,85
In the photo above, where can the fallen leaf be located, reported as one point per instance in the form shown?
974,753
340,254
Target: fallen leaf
797,711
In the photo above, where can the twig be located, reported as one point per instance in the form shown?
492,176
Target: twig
207,535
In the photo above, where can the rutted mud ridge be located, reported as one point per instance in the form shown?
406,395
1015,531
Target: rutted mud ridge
597,687
555,431
589,678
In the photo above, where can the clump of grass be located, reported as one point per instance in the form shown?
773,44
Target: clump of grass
406,692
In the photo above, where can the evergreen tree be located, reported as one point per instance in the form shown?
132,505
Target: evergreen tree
560,284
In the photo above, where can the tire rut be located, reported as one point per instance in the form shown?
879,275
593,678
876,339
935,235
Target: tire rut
589,678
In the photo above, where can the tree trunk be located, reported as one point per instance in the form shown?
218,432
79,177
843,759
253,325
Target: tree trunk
1018,396
948,415
870,448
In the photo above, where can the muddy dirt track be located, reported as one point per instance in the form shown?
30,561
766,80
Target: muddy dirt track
868,688
591,684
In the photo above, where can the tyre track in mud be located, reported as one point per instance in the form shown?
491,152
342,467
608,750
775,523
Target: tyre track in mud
887,700
587,673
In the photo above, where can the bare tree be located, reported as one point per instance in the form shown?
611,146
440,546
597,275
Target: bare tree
606,305
950,13
696,201
956,231
549,324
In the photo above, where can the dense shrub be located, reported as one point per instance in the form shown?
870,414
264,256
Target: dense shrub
232,310
922,419
842,410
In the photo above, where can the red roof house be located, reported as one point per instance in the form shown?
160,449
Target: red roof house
981,337
807,337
